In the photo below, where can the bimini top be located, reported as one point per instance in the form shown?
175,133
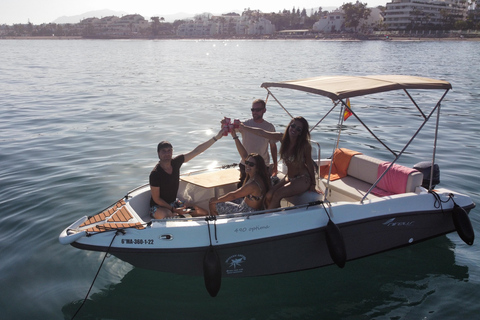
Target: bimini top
340,87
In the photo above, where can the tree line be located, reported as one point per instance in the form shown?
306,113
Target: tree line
295,18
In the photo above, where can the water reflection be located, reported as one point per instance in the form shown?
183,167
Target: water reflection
390,283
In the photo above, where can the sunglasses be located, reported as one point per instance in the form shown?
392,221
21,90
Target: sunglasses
249,163
297,128
256,109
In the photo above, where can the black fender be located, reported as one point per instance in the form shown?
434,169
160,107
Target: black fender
212,271
336,244
462,224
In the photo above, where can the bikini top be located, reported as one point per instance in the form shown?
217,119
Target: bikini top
256,198
291,159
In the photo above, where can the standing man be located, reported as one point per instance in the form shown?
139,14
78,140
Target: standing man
256,144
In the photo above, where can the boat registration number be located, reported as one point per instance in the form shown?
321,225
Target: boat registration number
137,241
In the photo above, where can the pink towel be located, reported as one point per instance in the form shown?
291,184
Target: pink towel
394,181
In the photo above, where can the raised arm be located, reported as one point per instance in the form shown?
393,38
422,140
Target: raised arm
240,148
276,136
242,192
310,167
202,147
273,151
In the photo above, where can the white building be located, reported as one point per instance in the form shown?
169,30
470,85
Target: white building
226,25
114,26
400,14
335,22
130,24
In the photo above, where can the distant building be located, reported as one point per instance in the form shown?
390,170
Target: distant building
402,14
335,22
128,25
332,22
226,25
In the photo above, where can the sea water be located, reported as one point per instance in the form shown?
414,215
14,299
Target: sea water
80,120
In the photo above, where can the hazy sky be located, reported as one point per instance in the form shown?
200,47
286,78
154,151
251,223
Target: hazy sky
45,11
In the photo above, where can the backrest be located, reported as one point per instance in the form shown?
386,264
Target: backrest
364,168
415,180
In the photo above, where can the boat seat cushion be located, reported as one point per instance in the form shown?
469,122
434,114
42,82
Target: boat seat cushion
364,168
399,179
305,197
362,173
352,187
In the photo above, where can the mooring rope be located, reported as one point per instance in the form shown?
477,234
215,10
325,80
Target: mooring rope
208,219
438,201
91,286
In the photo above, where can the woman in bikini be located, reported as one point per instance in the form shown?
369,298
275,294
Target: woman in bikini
295,151
254,188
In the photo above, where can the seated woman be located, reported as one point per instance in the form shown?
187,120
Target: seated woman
295,151
253,190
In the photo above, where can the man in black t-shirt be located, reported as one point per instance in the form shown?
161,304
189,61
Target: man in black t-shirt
164,178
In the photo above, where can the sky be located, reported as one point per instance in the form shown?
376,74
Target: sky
45,11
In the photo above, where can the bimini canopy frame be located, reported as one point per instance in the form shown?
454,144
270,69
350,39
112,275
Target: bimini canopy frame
339,88
342,87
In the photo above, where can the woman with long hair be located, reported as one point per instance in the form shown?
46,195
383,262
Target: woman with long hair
296,153
253,190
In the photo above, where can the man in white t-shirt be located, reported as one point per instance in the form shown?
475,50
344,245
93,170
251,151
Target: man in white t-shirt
256,144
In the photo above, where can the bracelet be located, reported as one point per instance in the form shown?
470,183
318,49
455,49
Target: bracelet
236,137
214,139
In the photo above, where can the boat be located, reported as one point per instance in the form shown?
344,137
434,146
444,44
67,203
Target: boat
364,205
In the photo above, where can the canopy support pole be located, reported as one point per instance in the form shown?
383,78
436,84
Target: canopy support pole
436,108
271,94
436,139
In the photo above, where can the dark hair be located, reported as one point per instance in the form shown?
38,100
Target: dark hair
303,141
261,170
164,144
259,101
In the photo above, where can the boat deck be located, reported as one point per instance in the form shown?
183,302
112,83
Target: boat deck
115,217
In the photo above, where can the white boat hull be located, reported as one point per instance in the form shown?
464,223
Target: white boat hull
286,240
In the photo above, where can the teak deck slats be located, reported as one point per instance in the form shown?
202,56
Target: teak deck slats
115,217
110,226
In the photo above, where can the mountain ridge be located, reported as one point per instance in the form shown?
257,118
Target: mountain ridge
107,12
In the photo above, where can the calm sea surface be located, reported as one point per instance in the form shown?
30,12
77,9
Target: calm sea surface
79,125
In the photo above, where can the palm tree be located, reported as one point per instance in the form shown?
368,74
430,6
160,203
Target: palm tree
155,25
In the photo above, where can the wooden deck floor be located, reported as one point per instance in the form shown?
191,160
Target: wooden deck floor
115,217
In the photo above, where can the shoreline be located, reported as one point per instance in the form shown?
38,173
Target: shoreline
316,38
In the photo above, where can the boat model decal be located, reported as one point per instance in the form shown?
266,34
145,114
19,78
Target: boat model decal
393,223
234,263
252,229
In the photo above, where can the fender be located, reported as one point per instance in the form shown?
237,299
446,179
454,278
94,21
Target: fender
212,271
336,244
462,224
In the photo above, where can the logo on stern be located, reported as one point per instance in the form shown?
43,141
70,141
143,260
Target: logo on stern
393,223
234,263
